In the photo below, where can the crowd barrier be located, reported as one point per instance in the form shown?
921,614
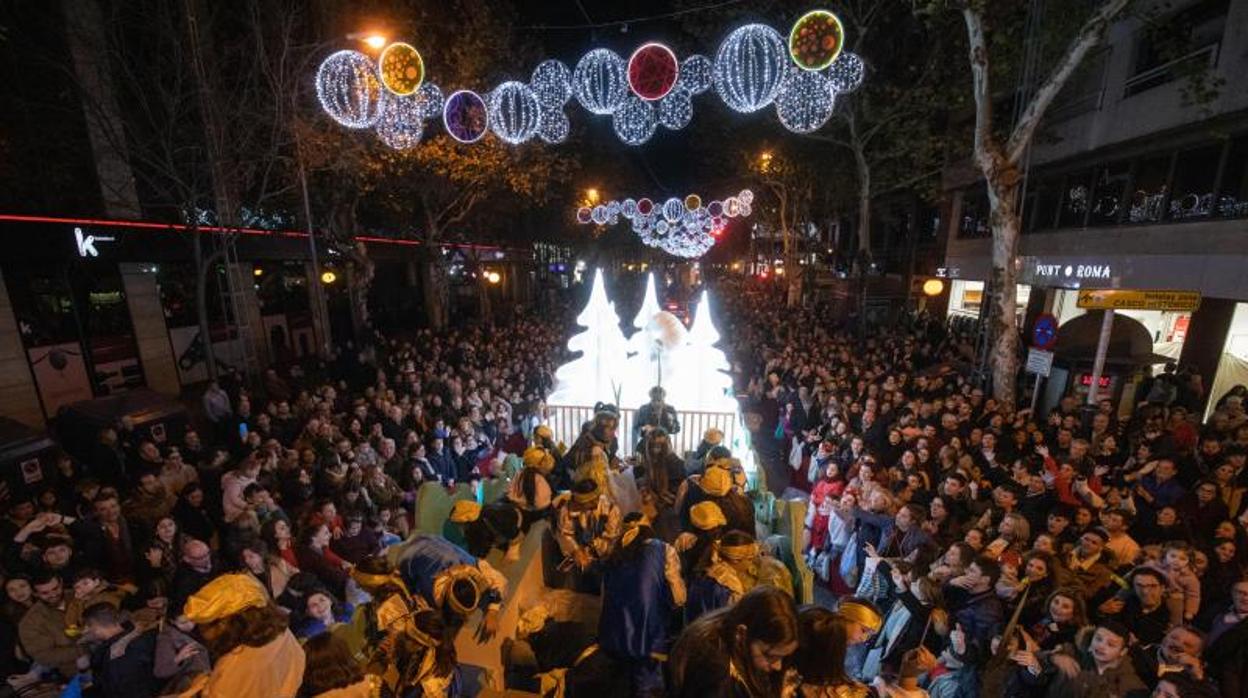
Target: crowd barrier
566,422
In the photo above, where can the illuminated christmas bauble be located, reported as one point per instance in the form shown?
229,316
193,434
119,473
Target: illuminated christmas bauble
552,83
600,81
816,40
746,196
673,209
693,202
676,109
429,100
805,102
847,72
554,126
583,215
645,206
652,71
696,74
750,66
349,90
634,122
514,112
401,123
715,208
465,116
401,68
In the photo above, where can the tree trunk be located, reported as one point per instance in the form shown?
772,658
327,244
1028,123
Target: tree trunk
864,200
1003,188
485,307
204,267
435,289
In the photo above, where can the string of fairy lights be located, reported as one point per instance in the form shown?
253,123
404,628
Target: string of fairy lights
754,67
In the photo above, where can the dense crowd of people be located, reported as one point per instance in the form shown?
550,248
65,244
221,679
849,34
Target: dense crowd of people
1082,552
961,546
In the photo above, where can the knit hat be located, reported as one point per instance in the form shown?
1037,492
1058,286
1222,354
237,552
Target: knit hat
223,597
539,458
707,515
716,482
465,511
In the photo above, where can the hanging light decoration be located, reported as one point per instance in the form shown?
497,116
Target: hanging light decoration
465,116
750,66
554,126
676,109
805,102
401,68
429,100
401,123
634,122
696,74
683,228
816,40
751,70
514,112
349,90
600,81
552,83
846,73
652,71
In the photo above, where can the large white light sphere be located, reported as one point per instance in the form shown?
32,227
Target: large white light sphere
600,81
846,72
401,123
554,126
514,112
349,89
634,122
676,109
552,83
750,66
696,74
805,102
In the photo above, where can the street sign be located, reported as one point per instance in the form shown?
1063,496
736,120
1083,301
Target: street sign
1131,299
1039,362
1044,331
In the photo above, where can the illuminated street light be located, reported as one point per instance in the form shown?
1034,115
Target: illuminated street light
592,196
257,271
493,277
328,277
933,287
376,41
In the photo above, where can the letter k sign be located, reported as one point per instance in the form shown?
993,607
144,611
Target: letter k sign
86,243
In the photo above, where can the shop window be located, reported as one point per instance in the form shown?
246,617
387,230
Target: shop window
1109,196
43,305
1148,201
975,212
1076,197
1233,194
1195,175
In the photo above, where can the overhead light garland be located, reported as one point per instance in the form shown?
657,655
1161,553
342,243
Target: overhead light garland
754,67
682,228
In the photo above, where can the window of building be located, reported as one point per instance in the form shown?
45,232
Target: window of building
1195,176
1148,200
1076,196
1042,201
1233,194
975,212
1171,47
1109,195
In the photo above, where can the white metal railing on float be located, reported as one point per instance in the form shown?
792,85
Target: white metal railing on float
566,422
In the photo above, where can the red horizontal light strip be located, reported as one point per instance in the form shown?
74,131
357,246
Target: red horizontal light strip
183,228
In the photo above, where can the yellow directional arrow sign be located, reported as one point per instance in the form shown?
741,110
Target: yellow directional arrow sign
1131,299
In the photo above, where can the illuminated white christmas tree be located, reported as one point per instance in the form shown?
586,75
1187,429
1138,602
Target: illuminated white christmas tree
703,379
599,372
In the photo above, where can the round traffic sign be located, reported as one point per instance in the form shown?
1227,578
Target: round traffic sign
1044,331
